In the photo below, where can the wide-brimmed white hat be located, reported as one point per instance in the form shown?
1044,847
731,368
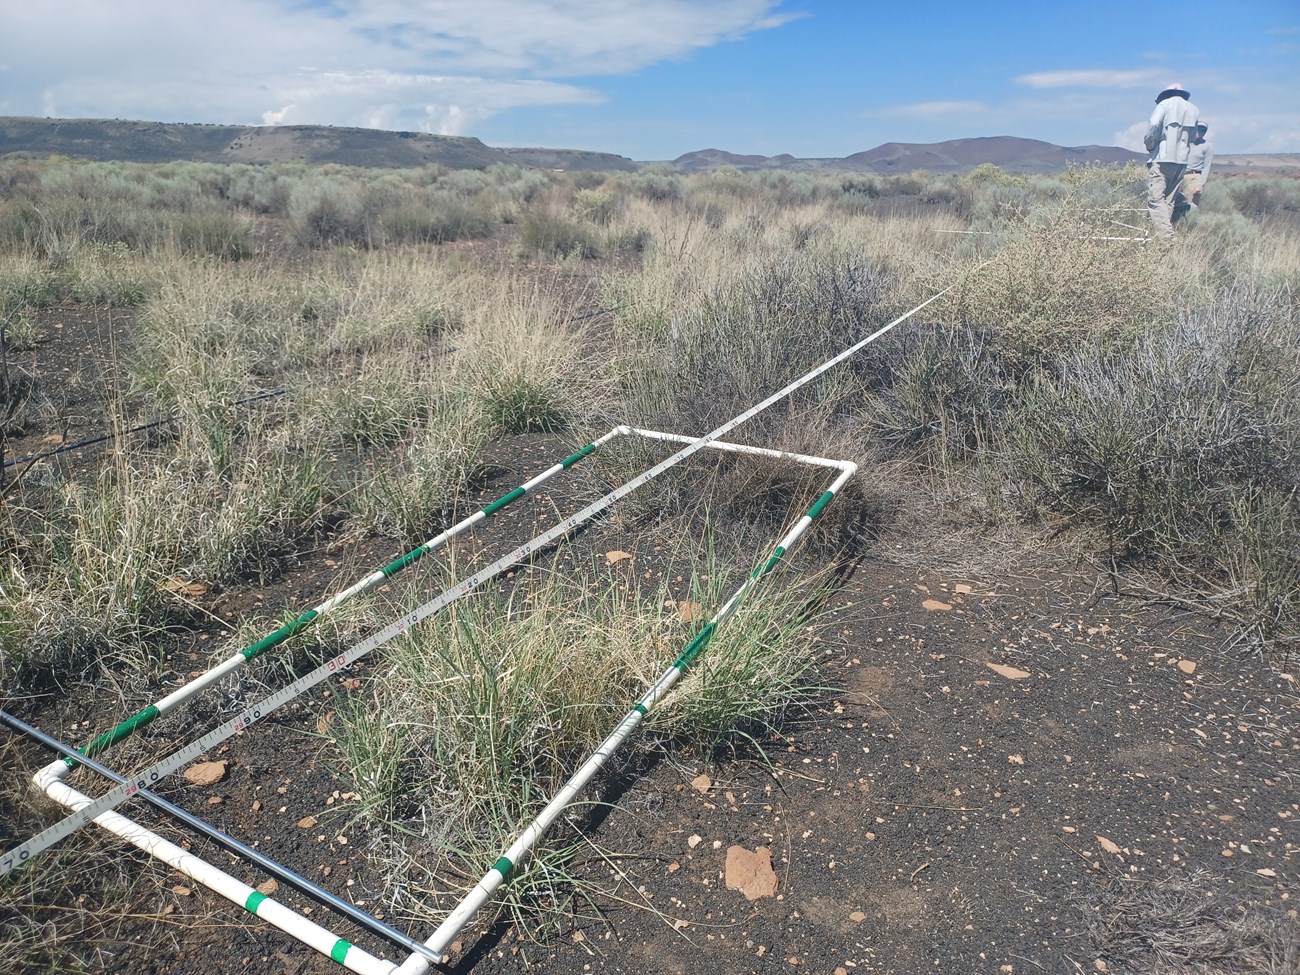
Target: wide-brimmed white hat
1172,89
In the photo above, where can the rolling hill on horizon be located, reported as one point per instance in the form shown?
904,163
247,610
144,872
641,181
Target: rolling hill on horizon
156,142
956,155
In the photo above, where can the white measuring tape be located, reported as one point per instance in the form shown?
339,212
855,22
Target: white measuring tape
150,776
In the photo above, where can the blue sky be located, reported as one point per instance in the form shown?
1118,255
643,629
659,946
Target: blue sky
652,79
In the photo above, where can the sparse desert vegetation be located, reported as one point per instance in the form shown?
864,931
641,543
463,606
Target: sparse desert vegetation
336,364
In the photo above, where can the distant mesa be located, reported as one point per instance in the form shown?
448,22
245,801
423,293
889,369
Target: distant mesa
157,142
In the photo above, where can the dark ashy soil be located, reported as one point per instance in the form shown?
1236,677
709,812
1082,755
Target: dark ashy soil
1003,765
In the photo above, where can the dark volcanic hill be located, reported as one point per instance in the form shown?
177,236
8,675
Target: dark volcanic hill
1005,151
117,139
956,155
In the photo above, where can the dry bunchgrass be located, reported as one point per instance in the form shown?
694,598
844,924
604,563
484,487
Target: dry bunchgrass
1180,455
522,361
1189,924
1052,285
478,717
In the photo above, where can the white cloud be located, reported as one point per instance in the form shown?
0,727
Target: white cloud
438,65
1275,132
270,117
1144,78
1131,138
933,110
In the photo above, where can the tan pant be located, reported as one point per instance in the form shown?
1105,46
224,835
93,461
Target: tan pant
1188,195
1162,185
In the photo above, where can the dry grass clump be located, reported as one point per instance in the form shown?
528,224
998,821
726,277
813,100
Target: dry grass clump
1052,283
420,492
1185,451
39,930
478,717
521,359
103,561
98,274
1189,925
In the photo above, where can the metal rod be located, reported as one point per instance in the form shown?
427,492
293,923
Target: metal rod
230,844
111,436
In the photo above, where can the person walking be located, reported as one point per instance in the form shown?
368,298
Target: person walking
1168,139
1200,154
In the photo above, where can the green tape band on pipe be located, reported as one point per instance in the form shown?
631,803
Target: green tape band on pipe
254,901
822,502
770,564
577,456
401,562
505,867
640,709
694,647
125,729
278,636
340,950
501,502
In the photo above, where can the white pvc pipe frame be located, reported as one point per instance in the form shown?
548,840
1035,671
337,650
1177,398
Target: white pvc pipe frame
50,779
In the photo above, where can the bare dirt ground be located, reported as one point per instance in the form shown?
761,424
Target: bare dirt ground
1009,771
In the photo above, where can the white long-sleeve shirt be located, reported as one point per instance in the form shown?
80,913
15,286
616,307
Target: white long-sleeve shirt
1199,156
1171,129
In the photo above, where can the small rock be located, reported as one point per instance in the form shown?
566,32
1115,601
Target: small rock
688,610
1009,672
206,773
750,872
